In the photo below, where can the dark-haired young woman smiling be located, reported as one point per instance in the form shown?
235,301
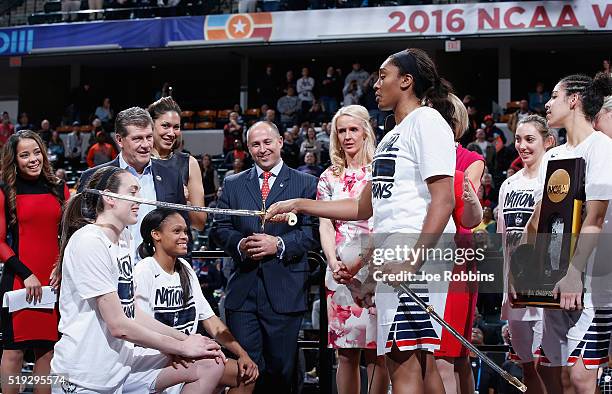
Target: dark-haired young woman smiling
167,288
31,204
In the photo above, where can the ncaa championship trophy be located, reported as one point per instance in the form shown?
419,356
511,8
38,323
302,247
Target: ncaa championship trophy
536,270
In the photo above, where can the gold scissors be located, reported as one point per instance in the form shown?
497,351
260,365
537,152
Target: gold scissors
263,216
290,217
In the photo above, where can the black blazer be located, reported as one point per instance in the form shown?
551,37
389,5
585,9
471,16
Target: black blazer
168,183
285,280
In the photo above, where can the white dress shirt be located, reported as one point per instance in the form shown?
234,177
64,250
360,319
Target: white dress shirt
147,191
275,171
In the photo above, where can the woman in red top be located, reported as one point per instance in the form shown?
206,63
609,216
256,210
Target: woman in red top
32,197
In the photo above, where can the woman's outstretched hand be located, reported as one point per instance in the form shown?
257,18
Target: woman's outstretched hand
278,212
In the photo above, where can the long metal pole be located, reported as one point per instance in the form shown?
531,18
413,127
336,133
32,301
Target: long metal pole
291,217
431,312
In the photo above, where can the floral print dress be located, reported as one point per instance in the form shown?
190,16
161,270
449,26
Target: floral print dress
351,316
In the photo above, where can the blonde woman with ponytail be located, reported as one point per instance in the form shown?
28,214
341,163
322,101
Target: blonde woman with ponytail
351,323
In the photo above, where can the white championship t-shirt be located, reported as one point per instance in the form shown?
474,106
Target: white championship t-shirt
420,147
160,295
516,205
87,353
596,150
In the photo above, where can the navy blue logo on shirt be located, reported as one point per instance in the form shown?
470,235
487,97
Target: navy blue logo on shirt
519,199
169,309
517,210
125,288
169,297
387,146
518,219
68,387
383,176
182,319
383,172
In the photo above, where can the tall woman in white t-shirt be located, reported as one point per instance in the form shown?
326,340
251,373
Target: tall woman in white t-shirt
167,289
411,193
578,335
516,204
96,352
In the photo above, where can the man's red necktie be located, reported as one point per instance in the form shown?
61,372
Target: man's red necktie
265,186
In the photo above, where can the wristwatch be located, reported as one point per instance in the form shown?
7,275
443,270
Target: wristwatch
280,247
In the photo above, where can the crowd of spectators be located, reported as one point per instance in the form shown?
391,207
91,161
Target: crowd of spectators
302,109
315,98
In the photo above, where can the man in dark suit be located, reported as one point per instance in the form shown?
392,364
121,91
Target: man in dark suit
267,292
134,136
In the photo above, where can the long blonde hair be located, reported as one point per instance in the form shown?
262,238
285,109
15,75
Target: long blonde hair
365,155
